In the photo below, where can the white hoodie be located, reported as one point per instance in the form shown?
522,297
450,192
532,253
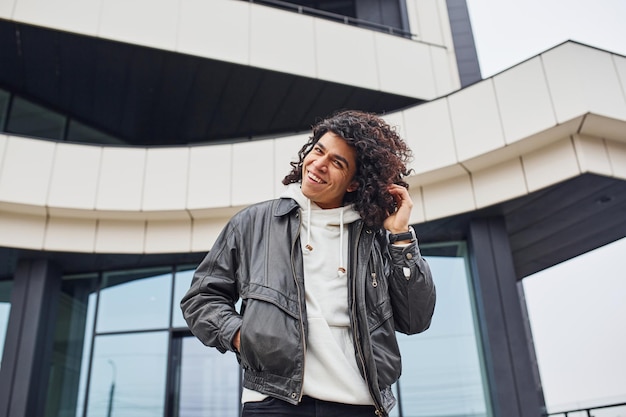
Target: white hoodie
330,368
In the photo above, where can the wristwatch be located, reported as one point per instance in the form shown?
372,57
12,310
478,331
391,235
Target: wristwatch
410,235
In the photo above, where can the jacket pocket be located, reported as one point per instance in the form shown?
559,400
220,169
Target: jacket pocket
270,338
386,353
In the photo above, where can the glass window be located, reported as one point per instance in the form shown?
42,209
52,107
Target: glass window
72,345
209,382
27,118
4,103
5,309
442,368
134,300
182,284
128,374
78,132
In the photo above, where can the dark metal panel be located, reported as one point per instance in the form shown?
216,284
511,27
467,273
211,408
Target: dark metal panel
491,322
514,392
9,368
29,338
463,39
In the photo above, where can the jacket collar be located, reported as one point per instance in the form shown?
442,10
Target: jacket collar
285,206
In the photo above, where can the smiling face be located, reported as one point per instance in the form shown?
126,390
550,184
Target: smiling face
328,171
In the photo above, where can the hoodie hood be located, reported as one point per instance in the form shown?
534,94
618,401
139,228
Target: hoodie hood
326,225
331,216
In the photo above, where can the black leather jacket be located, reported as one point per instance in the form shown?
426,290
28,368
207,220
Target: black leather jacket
257,257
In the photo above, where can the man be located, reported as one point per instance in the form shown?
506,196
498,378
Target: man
327,273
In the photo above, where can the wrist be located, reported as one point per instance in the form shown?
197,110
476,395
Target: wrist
403,237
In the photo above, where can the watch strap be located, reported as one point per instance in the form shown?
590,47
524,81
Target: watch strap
398,237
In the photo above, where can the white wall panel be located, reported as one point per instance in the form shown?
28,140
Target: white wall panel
3,143
429,22
205,232
550,165
20,230
499,183
353,65
74,179
120,236
70,234
604,127
253,172
6,9
617,156
451,196
476,120
165,184
592,155
396,121
282,41
404,66
121,179
620,67
429,135
210,181
151,23
582,80
25,171
285,151
218,29
168,236
524,100
446,74
70,15
417,212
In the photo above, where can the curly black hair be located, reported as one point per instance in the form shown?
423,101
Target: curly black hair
381,159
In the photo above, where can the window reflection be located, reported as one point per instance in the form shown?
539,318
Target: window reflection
209,381
442,375
135,300
442,368
79,132
5,309
72,345
182,284
4,105
31,119
128,374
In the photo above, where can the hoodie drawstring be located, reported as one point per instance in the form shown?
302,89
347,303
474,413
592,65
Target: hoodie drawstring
308,229
341,270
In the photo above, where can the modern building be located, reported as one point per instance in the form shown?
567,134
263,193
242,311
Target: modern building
131,130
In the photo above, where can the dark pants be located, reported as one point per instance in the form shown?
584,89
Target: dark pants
308,407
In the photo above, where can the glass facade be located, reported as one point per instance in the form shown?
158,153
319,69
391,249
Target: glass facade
5,309
4,106
442,368
122,348
28,118
24,117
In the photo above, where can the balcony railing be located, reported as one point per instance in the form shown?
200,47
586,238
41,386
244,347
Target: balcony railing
578,412
336,17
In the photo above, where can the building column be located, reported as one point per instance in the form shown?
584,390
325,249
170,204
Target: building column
28,344
507,342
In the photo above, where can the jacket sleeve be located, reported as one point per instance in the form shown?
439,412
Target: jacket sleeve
411,289
209,304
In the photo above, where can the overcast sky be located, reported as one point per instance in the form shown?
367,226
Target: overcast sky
577,309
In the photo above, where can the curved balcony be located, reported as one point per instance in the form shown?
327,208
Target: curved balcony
556,118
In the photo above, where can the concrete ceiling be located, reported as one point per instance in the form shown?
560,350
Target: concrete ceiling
151,97
551,225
